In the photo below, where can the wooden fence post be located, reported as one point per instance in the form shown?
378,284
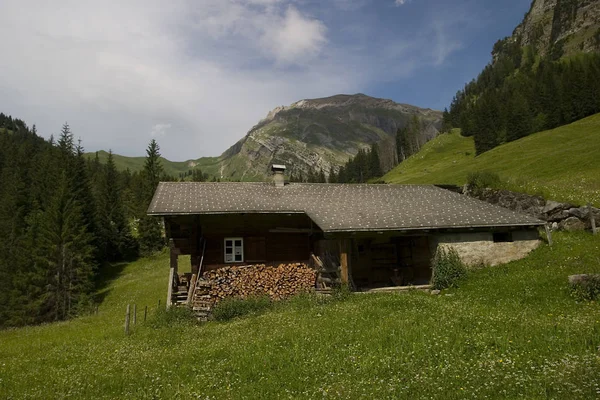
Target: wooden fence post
145,313
592,219
548,234
127,320
134,313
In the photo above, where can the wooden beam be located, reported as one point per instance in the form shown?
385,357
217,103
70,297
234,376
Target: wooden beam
174,261
344,261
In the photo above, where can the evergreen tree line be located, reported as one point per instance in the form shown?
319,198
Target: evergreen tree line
359,169
408,139
367,164
63,217
520,93
312,176
196,175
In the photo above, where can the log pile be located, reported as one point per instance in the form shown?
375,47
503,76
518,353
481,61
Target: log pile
277,282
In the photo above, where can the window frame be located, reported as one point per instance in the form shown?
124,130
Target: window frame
233,248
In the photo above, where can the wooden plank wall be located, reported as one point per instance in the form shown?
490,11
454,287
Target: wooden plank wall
374,260
261,244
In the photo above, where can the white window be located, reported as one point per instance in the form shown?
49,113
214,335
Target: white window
234,250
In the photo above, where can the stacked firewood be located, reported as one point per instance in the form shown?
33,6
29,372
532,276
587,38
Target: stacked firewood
277,282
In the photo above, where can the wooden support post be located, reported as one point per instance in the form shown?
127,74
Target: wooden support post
127,320
194,261
134,314
592,219
145,313
548,234
172,274
169,289
344,250
190,295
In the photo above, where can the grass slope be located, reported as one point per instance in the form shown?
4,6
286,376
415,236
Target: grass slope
511,331
561,164
209,165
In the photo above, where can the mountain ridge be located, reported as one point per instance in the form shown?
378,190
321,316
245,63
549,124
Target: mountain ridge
560,27
309,134
318,134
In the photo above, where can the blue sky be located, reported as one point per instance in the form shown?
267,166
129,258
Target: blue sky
197,75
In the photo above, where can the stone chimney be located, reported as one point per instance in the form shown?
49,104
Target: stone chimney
278,177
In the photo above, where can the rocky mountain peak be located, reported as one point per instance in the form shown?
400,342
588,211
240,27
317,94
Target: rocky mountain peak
561,27
318,134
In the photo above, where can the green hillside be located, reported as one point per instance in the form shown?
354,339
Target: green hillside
209,165
561,164
510,331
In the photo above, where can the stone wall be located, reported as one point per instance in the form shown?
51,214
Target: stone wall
560,216
479,247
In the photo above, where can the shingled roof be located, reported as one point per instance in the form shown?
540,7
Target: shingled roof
338,207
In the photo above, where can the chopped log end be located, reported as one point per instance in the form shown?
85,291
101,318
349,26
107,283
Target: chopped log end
277,282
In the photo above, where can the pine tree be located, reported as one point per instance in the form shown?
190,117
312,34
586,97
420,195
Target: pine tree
332,175
153,170
84,195
66,146
150,231
375,170
198,176
341,175
446,121
66,251
520,122
401,144
321,177
117,241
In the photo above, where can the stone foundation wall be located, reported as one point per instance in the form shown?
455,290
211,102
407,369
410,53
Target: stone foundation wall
479,247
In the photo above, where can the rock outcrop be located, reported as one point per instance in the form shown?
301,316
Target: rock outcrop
317,134
561,27
560,216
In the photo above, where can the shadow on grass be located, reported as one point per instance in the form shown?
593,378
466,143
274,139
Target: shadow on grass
106,275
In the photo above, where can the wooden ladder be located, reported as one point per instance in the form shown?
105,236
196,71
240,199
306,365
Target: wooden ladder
199,298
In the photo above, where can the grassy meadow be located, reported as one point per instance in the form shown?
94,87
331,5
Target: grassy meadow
508,332
562,164
208,165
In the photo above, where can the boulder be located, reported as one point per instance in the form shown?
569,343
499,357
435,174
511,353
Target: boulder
556,215
572,224
582,278
555,226
585,286
435,292
581,212
519,202
554,206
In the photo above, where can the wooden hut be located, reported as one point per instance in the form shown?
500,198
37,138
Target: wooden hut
380,235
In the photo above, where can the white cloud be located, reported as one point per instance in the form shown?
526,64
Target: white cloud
400,2
160,130
295,37
117,69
